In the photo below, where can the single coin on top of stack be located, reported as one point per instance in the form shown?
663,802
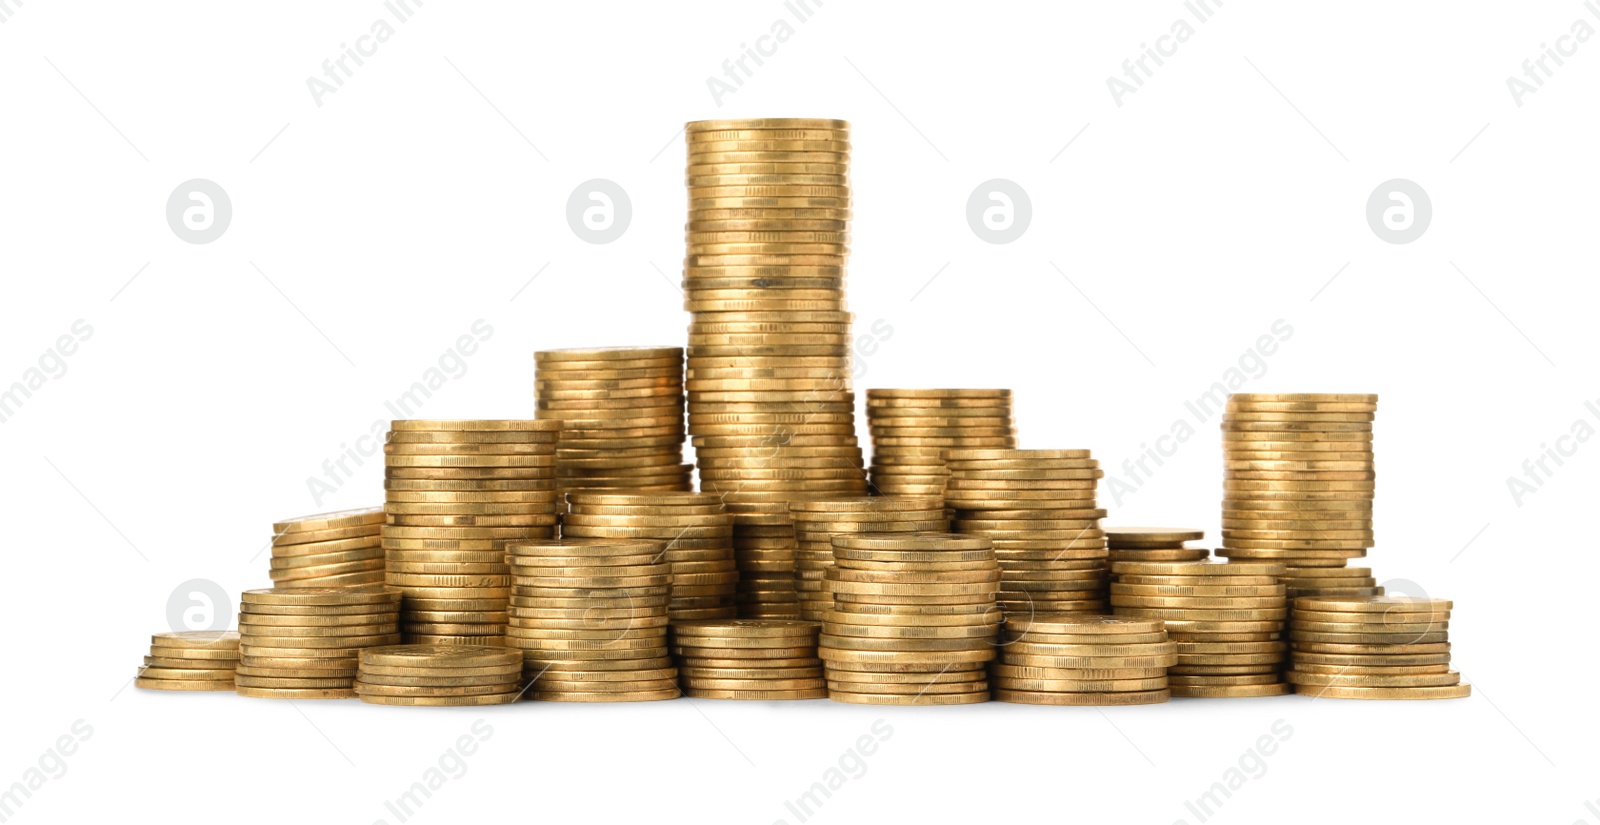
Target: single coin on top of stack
1226,618
1154,544
590,617
817,521
190,660
912,428
621,413
764,549
303,643
698,533
328,550
1039,509
1373,647
456,493
913,621
1072,659
760,659
439,675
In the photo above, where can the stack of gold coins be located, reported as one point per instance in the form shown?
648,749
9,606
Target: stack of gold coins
1298,478
450,675
590,617
764,549
1227,619
1083,660
621,413
190,660
1330,581
1039,508
1374,647
456,493
816,522
1154,544
749,659
697,531
770,408
328,550
911,429
914,619
303,643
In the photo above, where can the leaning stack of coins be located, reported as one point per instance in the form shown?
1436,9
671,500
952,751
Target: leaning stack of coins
816,522
190,660
1083,660
1154,544
1374,647
1227,619
913,619
697,531
911,429
764,549
621,413
760,659
456,493
449,675
328,550
590,617
770,408
303,643
1298,479
1038,506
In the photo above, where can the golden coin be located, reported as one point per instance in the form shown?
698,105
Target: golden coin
183,684
1230,691
1460,691
442,701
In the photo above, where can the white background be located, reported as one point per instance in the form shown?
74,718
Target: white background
368,233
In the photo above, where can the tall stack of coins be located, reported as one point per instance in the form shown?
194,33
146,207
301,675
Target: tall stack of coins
764,549
913,619
1039,508
190,660
1154,544
438,675
760,659
1083,660
770,408
329,550
1298,479
698,534
303,643
1227,620
911,429
621,413
455,493
590,617
1374,647
816,522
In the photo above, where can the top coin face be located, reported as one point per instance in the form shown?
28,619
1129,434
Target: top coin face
1372,604
938,393
376,594
608,353
1011,455
198,638
461,425
1303,397
1149,534
765,123
330,521
440,656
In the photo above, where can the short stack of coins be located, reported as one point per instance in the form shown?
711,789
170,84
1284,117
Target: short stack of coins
760,659
1039,509
697,531
764,549
1329,581
911,430
1298,479
455,493
817,521
621,413
1373,647
1154,544
190,660
304,643
914,619
770,350
328,550
439,675
590,617
1083,660
1226,618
